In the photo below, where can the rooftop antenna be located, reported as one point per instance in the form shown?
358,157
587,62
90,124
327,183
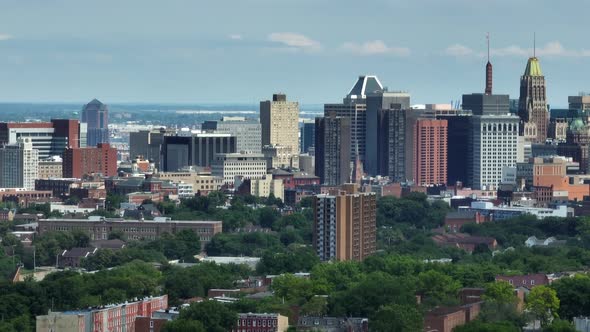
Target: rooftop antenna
488,40
534,44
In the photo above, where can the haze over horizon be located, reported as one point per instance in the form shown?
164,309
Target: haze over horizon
181,52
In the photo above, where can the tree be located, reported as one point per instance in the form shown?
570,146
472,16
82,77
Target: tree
437,287
316,306
215,316
573,296
500,292
542,301
480,326
268,216
560,325
397,318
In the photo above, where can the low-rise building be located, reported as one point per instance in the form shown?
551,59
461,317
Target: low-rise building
487,209
100,228
261,323
74,256
202,182
550,241
455,220
333,324
528,280
266,186
116,317
445,319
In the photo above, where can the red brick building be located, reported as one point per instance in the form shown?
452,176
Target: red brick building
149,324
455,220
464,241
430,151
261,323
445,319
528,281
80,161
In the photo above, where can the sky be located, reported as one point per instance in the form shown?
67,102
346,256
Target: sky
242,51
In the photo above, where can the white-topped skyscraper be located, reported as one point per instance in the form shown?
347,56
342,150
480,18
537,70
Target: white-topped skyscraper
493,138
19,165
96,116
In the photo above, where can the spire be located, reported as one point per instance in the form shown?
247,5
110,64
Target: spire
488,70
534,44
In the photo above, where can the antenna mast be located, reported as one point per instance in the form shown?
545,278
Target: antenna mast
534,44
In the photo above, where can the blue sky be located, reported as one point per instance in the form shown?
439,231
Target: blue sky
242,51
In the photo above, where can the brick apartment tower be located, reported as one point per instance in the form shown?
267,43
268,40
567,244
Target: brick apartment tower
344,225
430,152
80,161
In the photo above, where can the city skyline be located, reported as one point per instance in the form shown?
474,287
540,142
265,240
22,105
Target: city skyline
180,52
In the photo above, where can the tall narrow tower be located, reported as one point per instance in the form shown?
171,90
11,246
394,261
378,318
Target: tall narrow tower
488,71
532,104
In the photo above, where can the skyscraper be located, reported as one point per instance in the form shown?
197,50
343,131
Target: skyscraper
196,150
19,165
532,104
458,147
332,154
493,137
376,101
96,115
344,225
430,152
280,123
307,136
247,131
391,144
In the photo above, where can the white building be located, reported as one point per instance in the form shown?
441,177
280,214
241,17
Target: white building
19,165
494,145
230,165
185,190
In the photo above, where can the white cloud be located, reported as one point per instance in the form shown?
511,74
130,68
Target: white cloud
459,50
4,36
295,41
374,47
235,37
551,49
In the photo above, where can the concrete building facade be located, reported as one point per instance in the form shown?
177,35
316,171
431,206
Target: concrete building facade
19,165
279,119
200,150
229,165
344,225
333,139
248,132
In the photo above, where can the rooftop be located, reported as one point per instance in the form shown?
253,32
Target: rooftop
533,68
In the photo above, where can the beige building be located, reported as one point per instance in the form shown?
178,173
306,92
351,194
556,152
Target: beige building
280,123
344,224
201,182
247,165
50,168
262,322
278,156
268,185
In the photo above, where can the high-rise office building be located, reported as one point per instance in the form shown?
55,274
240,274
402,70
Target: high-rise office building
458,147
179,152
376,101
280,123
48,138
430,152
19,165
248,132
307,136
580,102
96,116
101,159
344,225
532,104
246,165
148,143
391,144
354,106
332,154
493,138
494,145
